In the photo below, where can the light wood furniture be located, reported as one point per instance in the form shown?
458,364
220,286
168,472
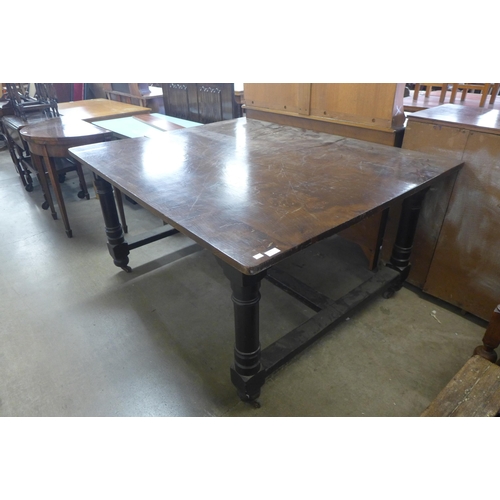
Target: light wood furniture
471,94
367,111
140,94
252,193
464,267
92,110
51,139
473,392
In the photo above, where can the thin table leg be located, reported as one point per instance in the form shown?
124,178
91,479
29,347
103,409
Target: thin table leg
40,172
54,179
247,373
401,251
117,247
83,184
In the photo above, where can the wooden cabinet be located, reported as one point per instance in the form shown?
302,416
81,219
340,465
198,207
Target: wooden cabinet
368,111
464,268
200,102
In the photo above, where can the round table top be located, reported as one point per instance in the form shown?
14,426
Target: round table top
62,130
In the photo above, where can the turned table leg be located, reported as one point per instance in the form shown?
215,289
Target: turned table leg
401,251
247,373
117,246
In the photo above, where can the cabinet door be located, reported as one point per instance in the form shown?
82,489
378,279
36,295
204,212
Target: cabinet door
432,139
180,100
215,102
465,270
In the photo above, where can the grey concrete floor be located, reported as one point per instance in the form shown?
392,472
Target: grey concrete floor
80,337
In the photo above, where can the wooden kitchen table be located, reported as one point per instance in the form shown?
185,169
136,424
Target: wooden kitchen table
254,193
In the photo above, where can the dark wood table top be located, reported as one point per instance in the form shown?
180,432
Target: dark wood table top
99,109
17,122
455,115
254,192
157,122
62,130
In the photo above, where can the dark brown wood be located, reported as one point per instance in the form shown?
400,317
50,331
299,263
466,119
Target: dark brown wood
161,123
491,339
18,148
243,188
473,392
51,139
200,102
253,193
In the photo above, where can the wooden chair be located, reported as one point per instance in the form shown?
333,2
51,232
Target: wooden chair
26,110
29,111
448,92
483,89
429,88
140,94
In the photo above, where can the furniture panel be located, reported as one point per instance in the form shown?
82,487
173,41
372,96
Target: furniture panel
200,102
372,112
464,269
450,142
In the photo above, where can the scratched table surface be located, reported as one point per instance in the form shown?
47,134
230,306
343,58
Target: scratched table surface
254,192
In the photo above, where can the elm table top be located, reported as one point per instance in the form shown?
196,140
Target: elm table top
255,192
99,109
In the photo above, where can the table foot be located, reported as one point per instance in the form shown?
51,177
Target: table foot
486,353
69,233
82,195
248,387
491,338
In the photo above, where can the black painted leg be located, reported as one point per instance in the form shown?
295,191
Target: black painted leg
401,251
247,373
117,247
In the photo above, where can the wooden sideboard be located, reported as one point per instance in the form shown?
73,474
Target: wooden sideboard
367,111
201,102
463,265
